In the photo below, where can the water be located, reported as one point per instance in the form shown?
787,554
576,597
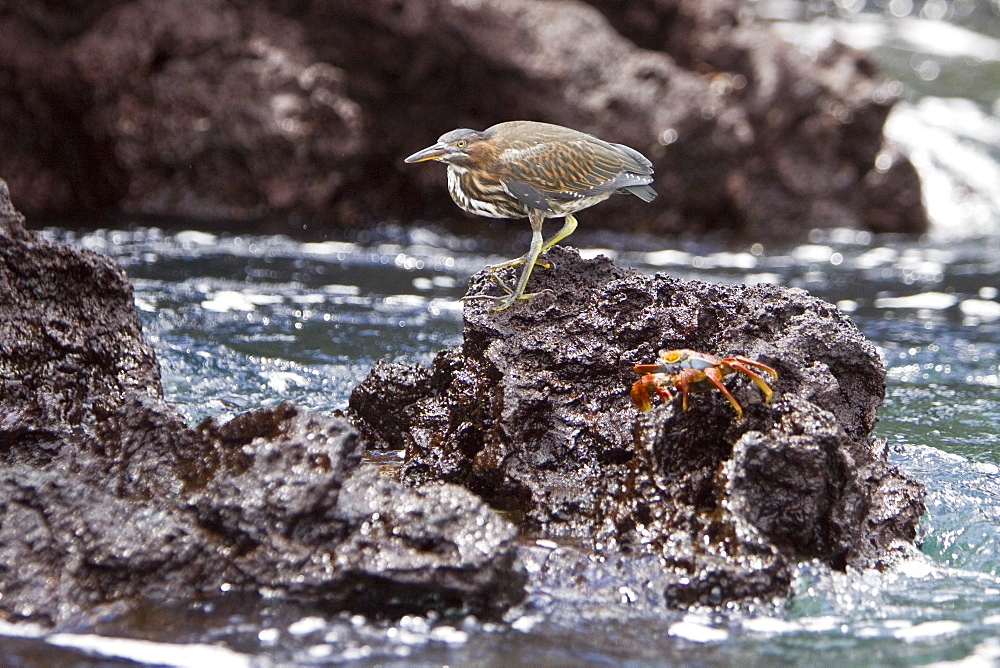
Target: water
239,321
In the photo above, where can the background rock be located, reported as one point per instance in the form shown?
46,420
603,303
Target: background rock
207,109
303,110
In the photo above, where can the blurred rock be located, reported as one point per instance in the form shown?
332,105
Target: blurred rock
302,109
747,133
533,413
209,109
785,141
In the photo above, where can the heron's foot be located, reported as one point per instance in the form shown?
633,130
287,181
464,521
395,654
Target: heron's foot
507,299
516,261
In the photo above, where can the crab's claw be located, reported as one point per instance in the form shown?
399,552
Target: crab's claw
714,376
640,396
645,369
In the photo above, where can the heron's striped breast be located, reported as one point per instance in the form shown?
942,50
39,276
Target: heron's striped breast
482,197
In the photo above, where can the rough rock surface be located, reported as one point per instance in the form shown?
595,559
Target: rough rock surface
60,361
533,413
229,109
108,500
783,141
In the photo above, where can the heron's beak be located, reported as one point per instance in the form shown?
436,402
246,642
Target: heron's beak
430,153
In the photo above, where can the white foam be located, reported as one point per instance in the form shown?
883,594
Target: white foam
154,653
668,257
947,141
307,625
696,632
928,630
980,309
223,301
771,625
195,238
280,381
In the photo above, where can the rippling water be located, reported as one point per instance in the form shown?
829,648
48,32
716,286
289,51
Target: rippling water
239,321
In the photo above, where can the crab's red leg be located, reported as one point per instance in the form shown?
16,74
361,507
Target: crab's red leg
714,376
665,392
756,364
740,365
681,383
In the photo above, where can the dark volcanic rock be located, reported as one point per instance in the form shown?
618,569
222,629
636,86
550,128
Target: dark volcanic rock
533,413
438,547
108,499
291,512
213,109
229,109
70,344
294,512
780,141
746,132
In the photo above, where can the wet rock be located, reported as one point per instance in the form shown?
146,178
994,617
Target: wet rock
533,413
224,109
295,512
437,547
71,549
392,388
71,346
292,514
110,501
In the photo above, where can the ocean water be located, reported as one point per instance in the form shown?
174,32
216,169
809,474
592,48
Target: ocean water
238,321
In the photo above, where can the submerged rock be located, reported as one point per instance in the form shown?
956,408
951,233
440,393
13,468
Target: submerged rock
533,413
109,500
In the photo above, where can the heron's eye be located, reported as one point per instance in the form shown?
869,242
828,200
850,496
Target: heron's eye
461,143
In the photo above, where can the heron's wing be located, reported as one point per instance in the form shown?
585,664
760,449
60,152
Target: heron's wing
526,194
573,169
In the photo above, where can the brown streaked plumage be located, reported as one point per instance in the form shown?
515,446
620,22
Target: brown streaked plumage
524,169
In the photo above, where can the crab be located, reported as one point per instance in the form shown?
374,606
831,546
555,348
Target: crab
685,371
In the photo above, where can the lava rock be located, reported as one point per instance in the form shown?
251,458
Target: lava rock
439,545
787,142
295,512
73,550
71,347
109,500
533,413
